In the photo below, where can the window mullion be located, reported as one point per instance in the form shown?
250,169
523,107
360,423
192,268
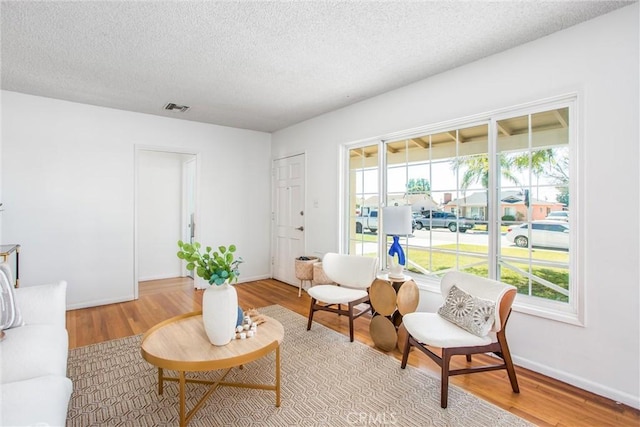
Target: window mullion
382,201
493,200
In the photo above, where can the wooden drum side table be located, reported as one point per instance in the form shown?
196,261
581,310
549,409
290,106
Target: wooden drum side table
181,344
391,299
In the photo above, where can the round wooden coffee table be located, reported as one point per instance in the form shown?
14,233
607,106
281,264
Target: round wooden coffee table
181,344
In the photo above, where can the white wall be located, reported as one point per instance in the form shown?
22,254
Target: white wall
68,187
1,155
159,214
598,60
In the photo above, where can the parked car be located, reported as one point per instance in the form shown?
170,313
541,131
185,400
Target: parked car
544,233
368,219
438,219
558,216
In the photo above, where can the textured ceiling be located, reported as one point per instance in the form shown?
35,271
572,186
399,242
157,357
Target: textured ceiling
257,64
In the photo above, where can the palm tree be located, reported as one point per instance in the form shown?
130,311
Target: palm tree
539,159
559,168
552,163
476,170
536,164
418,186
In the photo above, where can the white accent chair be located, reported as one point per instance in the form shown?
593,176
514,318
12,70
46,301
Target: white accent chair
353,276
433,330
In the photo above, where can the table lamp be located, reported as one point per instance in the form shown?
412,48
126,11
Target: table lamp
396,222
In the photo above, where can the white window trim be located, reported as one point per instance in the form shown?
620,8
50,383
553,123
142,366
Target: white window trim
571,313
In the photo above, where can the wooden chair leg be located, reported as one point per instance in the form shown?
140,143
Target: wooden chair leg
405,353
506,356
311,310
468,358
351,322
444,381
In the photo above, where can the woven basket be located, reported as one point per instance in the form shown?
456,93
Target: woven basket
319,277
304,269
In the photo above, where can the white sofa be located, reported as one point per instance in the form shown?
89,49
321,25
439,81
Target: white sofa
34,387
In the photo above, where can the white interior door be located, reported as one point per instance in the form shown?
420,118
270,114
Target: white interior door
288,216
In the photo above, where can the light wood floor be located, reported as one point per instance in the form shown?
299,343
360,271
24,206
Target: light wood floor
542,400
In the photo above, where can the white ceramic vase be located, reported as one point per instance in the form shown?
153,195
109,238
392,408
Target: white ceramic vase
220,313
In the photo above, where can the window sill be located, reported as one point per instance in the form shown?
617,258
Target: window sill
547,310
550,310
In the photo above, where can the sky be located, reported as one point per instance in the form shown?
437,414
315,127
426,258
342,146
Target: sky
442,179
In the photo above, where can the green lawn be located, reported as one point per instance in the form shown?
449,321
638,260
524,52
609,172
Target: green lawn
437,261
444,257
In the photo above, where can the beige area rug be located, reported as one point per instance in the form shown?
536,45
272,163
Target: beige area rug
326,381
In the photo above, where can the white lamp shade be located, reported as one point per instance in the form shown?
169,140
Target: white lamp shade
396,220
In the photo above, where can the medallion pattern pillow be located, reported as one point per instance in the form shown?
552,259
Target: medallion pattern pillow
475,315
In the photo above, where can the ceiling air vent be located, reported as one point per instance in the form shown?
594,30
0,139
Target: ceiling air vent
175,107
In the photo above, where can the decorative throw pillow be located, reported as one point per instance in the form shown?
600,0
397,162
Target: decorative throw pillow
475,315
10,316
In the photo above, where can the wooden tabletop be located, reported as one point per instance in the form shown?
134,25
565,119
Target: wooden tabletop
181,344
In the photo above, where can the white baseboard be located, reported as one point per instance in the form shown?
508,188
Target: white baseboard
95,303
159,277
583,383
201,284
245,279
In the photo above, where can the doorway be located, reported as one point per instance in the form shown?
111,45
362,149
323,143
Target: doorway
165,206
288,216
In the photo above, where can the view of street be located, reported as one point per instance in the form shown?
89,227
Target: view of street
437,237
423,238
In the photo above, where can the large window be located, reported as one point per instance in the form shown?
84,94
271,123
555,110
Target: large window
364,200
490,197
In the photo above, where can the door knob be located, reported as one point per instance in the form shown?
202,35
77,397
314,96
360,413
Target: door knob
301,228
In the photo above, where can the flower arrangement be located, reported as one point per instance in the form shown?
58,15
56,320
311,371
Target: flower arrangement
216,267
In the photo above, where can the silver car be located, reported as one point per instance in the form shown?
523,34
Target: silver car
546,233
558,216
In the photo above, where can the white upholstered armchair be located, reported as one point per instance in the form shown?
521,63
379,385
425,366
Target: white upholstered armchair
472,320
353,275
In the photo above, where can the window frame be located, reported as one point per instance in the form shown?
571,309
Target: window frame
571,312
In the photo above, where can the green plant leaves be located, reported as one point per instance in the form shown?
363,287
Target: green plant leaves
215,267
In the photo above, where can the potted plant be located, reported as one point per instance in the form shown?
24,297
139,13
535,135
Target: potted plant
213,266
220,302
